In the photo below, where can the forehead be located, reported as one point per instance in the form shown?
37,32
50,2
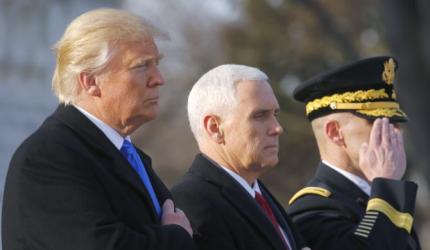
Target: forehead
139,50
256,94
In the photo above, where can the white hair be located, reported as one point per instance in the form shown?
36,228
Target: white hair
215,93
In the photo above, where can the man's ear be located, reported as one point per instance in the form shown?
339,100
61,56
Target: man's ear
213,128
333,131
88,84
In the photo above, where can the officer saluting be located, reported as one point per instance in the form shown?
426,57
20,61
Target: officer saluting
356,200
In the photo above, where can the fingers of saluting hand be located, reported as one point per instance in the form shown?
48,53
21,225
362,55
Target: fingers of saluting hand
375,134
393,136
363,149
385,132
399,136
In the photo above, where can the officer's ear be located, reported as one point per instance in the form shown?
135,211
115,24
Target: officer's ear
88,84
213,128
333,131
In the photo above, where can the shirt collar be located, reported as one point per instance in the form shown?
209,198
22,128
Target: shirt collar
250,189
113,136
239,179
358,181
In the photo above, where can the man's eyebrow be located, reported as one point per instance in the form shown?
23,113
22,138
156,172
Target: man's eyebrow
144,59
261,111
277,110
157,57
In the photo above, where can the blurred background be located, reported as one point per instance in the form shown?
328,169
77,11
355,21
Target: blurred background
290,40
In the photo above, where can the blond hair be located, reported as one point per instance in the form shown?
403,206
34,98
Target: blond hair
89,43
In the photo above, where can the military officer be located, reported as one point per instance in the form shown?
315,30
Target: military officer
357,198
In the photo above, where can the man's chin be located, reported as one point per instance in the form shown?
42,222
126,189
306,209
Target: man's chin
269,164
140,120
150,115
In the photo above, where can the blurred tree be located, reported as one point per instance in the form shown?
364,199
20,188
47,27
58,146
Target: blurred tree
168,139
292,40
407,26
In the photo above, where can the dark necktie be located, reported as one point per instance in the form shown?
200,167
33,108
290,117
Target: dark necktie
130,153
268,211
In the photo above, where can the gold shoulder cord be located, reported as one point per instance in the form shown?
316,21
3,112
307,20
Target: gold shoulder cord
310,190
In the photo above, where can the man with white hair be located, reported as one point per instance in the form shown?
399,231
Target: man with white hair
78,182
233,114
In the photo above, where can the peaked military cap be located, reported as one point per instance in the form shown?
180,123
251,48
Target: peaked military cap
364,88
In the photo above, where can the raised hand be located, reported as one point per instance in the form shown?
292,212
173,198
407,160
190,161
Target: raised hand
175,216
384,155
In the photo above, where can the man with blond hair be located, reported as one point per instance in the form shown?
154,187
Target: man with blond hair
233,114
78,182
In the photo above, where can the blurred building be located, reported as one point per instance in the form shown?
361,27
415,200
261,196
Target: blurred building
28,29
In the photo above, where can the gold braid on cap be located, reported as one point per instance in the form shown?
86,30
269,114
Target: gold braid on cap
347,97
383,112
389,71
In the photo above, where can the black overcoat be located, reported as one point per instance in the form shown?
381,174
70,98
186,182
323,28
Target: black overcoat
69,188
224,215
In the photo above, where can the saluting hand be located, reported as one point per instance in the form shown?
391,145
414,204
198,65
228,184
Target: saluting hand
175,216
384,155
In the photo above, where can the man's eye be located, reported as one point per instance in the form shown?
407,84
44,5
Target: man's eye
260,114
140,66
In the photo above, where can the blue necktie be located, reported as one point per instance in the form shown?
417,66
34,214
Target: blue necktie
129,152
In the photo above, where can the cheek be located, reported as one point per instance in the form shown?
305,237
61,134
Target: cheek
364,134
252,149
254,146
356,139
139,79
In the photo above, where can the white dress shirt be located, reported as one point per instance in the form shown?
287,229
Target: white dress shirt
113,136
359,182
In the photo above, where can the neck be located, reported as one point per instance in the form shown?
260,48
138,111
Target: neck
341,160
94,110
216,155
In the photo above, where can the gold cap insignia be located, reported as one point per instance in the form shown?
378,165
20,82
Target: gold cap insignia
388,74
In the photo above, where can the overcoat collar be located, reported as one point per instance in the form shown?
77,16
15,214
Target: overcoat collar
340,186
96,139
240,199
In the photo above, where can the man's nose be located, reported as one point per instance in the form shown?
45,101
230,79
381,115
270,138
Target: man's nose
157,78
277,129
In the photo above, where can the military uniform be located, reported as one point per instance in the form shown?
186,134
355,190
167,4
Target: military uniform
333,212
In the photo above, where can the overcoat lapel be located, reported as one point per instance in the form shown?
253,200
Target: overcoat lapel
280,215
160,189
103,147
238,197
